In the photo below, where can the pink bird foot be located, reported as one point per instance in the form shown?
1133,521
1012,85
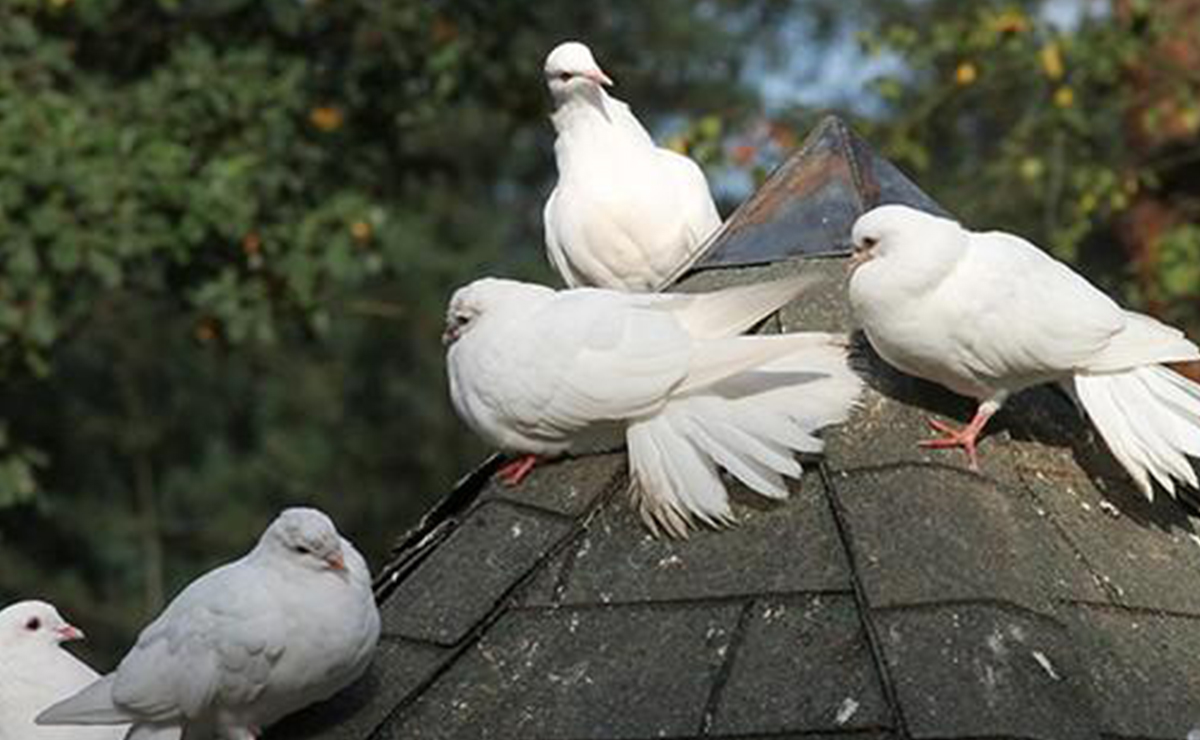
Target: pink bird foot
965,437
515,471
954,437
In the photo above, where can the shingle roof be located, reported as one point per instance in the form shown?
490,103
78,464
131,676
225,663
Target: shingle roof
897,594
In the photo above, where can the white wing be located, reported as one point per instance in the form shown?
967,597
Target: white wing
595,356
587,356
214,645
1019,313
612,238
697,209
554,245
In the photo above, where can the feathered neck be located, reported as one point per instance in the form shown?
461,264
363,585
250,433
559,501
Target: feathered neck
595,130
585,108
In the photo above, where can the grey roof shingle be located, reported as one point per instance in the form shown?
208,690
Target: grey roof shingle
896,594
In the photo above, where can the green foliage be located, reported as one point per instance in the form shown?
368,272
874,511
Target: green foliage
1179,285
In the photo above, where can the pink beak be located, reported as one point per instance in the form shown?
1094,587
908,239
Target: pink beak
597,75
69,632
336,562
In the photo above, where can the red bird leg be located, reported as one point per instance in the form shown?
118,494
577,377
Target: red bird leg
514,471
964,437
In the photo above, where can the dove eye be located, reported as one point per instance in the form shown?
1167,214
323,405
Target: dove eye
301,550
869,242
34,624
564,76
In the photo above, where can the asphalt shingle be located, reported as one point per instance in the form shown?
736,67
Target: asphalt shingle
465,578
400,668
1141,551
932,534
780,678
592,673
1012,675
1143,669
776,548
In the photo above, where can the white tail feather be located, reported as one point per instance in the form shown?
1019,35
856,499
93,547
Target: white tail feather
1150,418
750,424
717,360
1144,341
91,706
732,311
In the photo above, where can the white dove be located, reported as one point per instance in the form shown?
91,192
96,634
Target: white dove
542,372
625,213
989,314
35,672
291,623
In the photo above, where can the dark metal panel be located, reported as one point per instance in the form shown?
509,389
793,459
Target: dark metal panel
809,203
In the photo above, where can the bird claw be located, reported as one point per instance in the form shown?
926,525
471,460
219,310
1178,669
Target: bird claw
515,471
954,437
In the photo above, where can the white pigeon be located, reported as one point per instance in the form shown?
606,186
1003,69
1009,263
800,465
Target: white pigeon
35,672
291,623
989,314
546,372
625,213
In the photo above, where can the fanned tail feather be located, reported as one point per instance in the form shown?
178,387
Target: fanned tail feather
91,706
731,311
750,424
1150,418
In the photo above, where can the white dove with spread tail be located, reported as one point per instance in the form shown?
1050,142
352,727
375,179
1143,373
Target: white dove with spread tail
545,372
291,623
625,213
987,314
35,672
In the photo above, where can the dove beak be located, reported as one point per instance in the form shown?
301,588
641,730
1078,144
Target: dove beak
449,336
69,633
597,75
336,562
861,254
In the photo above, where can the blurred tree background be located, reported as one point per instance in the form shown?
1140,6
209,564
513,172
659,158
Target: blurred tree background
228,227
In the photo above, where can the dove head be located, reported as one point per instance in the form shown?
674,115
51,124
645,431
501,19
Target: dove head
908,248
35,623
490,297
305,538
570,70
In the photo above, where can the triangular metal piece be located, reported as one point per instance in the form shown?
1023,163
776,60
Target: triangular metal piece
809,203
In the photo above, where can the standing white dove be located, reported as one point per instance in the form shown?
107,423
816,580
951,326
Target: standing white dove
35,672
542,372
291,623
989,314
625,213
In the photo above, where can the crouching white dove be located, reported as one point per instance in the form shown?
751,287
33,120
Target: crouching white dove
36,671
625,213
542,372
291,623
988,314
